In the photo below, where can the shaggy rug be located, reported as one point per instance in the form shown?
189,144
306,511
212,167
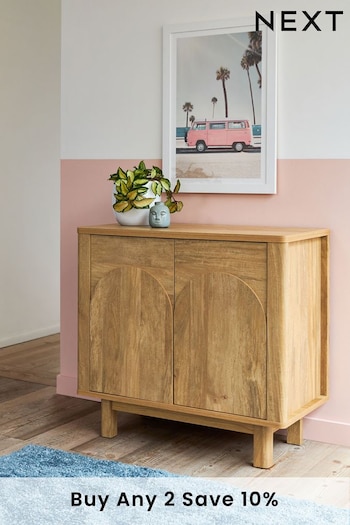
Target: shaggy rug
39,485
33,461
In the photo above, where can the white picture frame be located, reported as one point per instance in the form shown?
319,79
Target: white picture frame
191,52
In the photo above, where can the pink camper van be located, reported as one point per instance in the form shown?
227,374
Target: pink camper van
225,133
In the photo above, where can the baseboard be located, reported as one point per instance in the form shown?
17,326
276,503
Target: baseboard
327,431
68,386
29,336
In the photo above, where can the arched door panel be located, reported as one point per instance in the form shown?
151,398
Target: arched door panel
131,330
220,346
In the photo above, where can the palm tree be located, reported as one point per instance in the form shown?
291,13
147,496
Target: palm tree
246,62
223,74
255,47
192,119
187,107
214,101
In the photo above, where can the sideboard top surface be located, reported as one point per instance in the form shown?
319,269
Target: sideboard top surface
210,232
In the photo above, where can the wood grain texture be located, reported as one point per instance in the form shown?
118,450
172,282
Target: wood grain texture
303,347
242,334
295,433
109,427
131,331
220,359
84,296
263,447
297,325
209,232
246,260
32,361
324,369
155,256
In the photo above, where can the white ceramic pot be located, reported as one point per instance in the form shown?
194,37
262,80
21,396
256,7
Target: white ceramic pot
135,217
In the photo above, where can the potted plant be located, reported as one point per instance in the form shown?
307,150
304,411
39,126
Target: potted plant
138,189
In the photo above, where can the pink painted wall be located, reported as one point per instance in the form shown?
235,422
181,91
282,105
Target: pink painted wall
310,193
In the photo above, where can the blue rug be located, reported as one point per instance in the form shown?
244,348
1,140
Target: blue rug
39,485
33,461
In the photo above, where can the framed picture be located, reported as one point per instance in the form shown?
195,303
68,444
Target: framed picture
219,107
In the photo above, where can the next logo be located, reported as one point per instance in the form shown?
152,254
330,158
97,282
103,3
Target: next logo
288,22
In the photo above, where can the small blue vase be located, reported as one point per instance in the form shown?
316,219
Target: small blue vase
159,215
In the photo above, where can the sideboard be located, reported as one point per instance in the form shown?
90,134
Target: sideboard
220,326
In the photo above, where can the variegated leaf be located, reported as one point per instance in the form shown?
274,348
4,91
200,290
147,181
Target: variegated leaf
120,206
142,203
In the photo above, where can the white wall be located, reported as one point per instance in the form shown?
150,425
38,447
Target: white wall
111,84
29,169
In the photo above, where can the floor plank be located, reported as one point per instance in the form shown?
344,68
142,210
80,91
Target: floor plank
32,413
12,389
34,361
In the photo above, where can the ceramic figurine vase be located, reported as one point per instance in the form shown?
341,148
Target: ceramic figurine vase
159,215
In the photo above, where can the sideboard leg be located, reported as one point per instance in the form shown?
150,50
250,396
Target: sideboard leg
263,447
108,419
295,433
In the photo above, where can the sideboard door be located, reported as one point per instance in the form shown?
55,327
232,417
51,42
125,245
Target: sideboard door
131,336
220,346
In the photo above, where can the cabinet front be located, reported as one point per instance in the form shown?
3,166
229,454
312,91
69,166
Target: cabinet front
220,327
131,318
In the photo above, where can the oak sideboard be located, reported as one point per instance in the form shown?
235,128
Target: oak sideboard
220,326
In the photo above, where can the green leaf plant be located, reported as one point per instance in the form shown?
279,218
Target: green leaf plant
131,186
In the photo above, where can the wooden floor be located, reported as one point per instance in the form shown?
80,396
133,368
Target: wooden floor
32,413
